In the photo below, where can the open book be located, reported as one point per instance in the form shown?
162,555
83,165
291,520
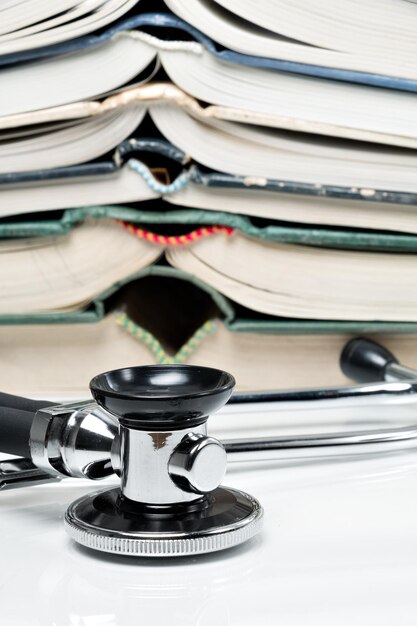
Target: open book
125,177
66,143
252,95
315,36
269,153
258,361
257,153
108,184
29,24
67,273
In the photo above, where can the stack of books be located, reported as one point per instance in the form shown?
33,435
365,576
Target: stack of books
222,183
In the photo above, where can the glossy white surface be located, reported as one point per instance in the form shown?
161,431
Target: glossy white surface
339,547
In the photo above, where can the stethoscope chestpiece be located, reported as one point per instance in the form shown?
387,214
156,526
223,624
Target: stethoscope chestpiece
170,502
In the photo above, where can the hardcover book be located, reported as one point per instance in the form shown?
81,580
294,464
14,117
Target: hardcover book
66,274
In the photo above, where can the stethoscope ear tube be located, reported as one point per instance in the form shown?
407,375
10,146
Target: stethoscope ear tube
16,418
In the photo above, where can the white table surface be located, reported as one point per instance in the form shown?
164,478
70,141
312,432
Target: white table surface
339,546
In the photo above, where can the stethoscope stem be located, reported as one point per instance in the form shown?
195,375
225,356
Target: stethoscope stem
397,392
320,445
395,372
340,444
360,357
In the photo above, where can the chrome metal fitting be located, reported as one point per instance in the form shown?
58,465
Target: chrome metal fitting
74,440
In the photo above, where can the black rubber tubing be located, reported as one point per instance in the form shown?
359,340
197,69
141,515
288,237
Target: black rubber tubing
16,417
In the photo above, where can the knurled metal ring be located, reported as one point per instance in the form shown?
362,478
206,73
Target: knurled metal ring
232,518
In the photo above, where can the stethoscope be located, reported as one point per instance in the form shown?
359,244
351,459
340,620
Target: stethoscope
149,426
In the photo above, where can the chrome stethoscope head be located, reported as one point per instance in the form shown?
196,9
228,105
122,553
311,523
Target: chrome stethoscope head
149,426
169,502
